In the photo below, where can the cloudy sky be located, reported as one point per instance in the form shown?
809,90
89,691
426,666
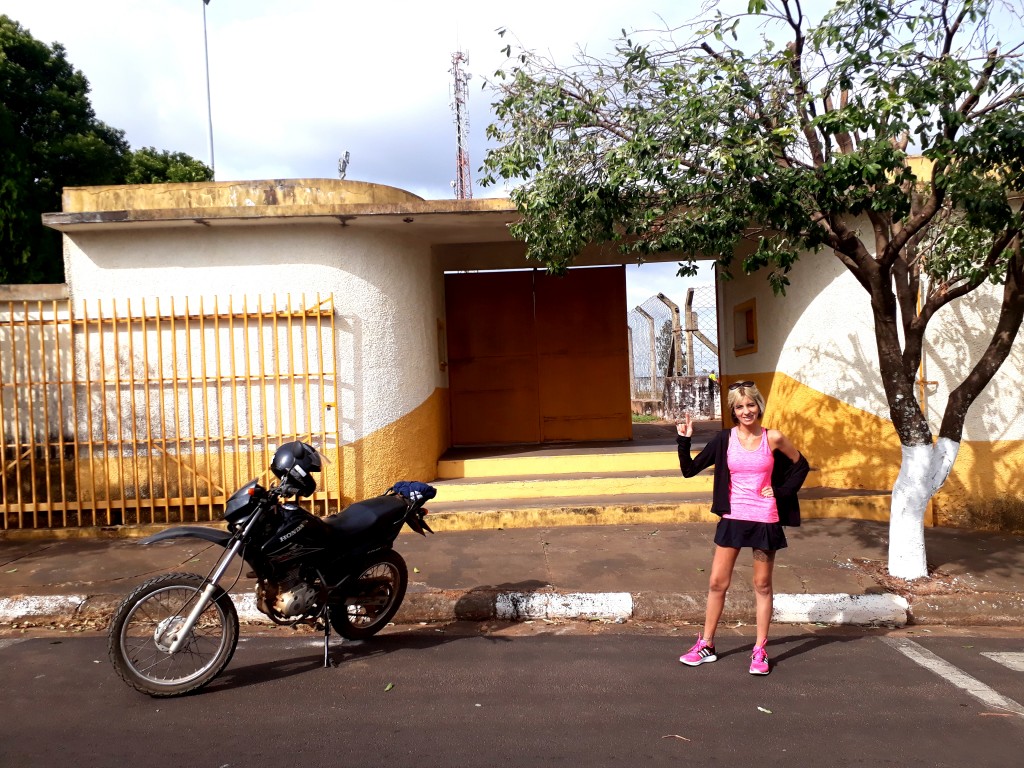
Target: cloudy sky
296,84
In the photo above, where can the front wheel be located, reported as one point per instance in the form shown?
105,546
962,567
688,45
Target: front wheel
144,626
374,598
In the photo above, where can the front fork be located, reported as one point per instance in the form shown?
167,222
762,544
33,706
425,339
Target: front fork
211,584
183,630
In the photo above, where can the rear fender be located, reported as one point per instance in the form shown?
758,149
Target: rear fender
221,538
417,523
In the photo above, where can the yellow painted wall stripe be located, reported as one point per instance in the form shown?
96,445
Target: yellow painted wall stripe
406,449
856,449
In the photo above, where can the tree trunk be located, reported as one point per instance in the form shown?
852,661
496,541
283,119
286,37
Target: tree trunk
925,466
923,471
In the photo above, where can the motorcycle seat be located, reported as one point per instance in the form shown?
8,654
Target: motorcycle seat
380,511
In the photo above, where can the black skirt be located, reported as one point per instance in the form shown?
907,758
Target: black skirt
744,533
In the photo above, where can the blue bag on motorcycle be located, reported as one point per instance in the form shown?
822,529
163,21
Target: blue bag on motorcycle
414,491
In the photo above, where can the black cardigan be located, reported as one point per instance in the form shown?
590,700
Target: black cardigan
787,475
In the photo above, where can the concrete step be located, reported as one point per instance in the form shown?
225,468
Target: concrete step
635,509
505,488
558,464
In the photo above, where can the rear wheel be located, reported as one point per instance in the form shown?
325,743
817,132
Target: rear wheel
374,598
146,622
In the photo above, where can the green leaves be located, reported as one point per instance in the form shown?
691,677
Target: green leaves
149,166
694,146
50,138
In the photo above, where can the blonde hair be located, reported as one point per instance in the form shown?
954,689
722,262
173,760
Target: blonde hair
735,395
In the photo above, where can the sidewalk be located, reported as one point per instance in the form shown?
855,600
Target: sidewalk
833,572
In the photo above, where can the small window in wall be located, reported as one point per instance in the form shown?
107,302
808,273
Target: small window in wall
744,323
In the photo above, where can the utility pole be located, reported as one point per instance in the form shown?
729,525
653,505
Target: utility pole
463,183
209,103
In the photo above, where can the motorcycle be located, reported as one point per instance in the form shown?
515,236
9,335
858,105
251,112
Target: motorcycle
176,632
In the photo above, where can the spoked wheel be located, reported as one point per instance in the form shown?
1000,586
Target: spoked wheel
146,623
374,598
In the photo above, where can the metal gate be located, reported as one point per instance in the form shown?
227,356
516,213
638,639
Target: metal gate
537,358
155,412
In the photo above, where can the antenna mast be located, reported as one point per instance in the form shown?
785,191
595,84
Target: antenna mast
463,183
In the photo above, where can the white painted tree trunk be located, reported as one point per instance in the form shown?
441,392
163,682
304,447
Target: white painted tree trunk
923,471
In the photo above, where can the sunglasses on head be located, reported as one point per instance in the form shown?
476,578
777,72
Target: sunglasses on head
737,384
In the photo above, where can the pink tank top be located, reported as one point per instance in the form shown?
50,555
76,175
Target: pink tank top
750,471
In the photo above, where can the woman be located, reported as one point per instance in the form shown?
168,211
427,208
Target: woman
757,475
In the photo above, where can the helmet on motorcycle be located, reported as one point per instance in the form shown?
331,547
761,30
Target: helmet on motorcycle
293,462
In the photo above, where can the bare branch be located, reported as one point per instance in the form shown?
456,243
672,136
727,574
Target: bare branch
843,137
979,87
919,220
1011,314
796,48
945,294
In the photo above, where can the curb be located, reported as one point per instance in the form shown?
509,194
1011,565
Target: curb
484,605
977,609
837,609
436,605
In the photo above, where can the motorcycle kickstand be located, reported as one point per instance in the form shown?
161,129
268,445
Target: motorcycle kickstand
326,616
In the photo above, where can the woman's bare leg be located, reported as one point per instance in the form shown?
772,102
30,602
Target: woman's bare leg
718,585
764,564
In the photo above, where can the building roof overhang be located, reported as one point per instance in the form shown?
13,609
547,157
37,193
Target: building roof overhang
282,202
465,234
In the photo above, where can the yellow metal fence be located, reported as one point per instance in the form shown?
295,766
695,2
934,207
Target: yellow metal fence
155,411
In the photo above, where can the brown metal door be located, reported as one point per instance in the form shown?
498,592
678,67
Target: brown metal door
582,355
534,358
492,358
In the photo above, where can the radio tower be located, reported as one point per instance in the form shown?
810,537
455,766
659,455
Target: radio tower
463,184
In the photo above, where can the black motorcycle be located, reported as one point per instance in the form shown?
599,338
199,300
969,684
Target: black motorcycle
177,631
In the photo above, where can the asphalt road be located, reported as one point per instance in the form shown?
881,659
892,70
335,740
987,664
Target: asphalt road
531,695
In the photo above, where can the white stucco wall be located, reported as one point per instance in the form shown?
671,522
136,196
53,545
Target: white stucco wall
822,335
388,295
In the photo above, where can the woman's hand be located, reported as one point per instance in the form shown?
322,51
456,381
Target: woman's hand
767,491
685,427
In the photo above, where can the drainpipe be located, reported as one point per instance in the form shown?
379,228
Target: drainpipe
923,383
632,365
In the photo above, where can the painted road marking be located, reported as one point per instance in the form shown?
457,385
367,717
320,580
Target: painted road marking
954,675
1014,661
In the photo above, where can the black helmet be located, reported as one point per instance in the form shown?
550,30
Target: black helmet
293,464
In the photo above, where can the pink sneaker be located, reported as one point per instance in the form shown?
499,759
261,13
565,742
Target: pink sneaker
759,661
701,653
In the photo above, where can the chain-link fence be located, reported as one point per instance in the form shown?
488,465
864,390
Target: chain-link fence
677,344
650,333
701,340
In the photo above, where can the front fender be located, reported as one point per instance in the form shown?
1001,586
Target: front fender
218,537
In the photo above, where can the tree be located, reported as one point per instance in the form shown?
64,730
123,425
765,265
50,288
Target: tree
50,138
691,147
148,166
